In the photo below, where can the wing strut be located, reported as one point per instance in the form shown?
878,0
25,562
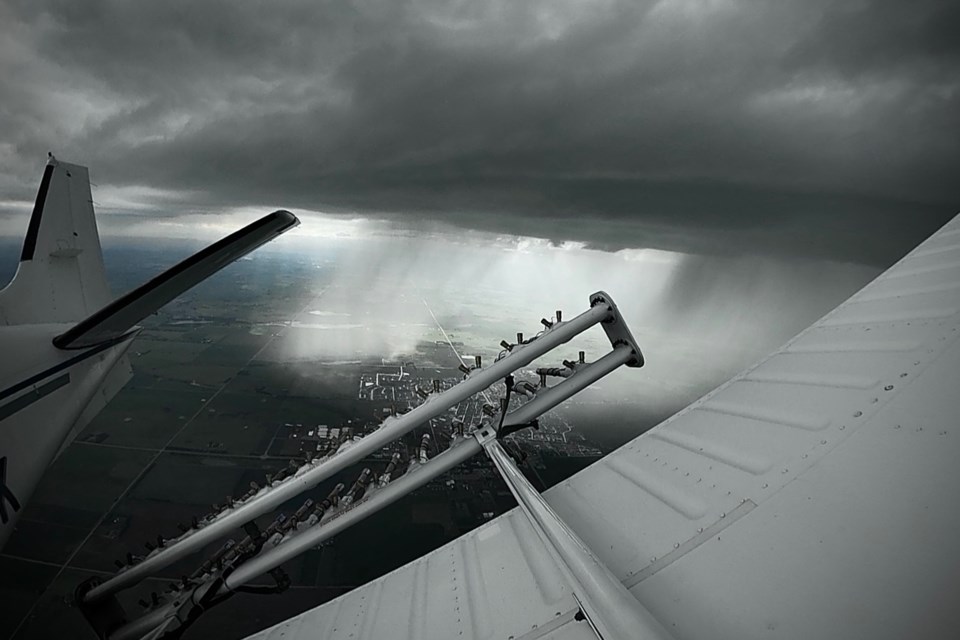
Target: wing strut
612,612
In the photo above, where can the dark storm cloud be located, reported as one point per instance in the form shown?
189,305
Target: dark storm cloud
798,126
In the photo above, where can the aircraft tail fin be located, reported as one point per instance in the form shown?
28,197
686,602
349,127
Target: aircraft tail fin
115,319
60,277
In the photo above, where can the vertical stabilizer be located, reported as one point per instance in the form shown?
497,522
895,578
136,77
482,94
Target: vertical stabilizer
60,277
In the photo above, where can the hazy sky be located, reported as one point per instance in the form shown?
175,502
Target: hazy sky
825,128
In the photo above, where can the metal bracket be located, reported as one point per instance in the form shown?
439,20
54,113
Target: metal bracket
617,331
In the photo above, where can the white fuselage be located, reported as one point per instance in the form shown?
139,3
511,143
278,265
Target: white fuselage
43,394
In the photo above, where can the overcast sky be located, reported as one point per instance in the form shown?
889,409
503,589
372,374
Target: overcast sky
819,127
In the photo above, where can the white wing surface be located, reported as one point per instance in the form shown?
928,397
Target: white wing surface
812,496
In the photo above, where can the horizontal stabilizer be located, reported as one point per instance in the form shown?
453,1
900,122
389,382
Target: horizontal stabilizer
115,319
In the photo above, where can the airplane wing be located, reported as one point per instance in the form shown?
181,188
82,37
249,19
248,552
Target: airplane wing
115,319
811,496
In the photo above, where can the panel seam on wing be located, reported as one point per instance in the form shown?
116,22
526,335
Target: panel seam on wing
841,380
767,416
686,504
719,453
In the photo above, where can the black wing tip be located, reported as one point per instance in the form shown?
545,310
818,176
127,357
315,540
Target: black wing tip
282,215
